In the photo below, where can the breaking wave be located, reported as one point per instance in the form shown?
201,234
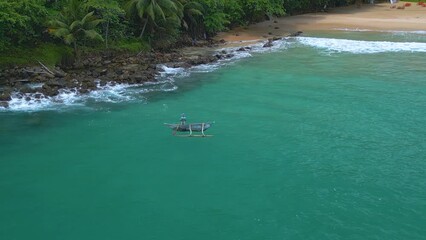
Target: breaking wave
361,47
168,76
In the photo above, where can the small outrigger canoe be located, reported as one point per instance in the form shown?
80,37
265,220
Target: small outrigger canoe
191,127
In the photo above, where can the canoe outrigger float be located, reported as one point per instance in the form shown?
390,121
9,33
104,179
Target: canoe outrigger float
191,127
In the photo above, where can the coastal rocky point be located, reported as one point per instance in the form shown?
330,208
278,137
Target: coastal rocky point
94,72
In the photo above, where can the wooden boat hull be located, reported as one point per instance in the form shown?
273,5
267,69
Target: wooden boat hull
194,127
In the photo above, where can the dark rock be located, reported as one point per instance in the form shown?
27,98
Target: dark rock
241,49
88,84
270,33
102,83
295,34
59,82
268,44
103,72
95,74
4,104
223,52
17,85
49,91
275,21
222,41
26,89
5,96
140,78
181,65
276,38
276,27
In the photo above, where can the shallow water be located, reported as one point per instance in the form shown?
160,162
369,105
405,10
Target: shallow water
312,140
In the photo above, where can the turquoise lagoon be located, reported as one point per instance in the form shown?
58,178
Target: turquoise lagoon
321,137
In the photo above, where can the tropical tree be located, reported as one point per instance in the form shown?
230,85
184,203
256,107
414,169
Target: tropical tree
113,15
21,22
193,16
149,11
75,24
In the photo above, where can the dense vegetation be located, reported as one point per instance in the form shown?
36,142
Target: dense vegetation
131,24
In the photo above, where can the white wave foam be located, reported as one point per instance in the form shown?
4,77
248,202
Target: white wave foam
114,93
172,72
420,32
361,47
37,101
166,81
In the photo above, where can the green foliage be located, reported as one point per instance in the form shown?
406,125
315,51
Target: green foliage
193,16
256,10
158,23
132,45
166,33
21,22
72,27
114,26
216,22
150,11
222,13
300,6
49,53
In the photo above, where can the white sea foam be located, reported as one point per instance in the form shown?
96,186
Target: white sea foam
170,72
420,32
37,101
167,79
361,47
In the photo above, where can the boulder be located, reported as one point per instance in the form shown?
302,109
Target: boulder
268,44
140,78
295,34
103,72
58,82
4,104
26,89
5,96
49,91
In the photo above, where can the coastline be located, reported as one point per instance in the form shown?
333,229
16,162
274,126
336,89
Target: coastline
371,17
98,72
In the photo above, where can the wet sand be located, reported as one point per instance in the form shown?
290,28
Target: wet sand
375,17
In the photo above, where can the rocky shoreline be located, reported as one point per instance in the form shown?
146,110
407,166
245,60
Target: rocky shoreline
97,71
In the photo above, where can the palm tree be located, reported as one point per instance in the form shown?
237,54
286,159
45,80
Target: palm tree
74,24
151,10
193,13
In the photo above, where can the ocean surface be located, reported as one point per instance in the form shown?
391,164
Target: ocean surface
320,137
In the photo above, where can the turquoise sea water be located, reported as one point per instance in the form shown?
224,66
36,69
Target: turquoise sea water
322,137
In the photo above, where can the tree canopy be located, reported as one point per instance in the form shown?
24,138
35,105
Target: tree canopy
28,22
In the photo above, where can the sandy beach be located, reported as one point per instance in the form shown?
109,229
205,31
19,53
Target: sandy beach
375,17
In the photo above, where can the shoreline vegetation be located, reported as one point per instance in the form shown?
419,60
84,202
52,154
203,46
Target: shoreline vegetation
84,44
